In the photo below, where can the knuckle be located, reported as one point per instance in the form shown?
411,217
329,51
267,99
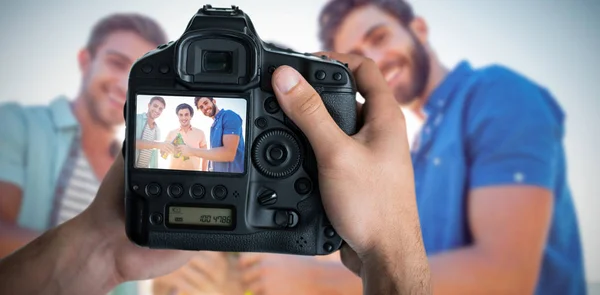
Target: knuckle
337,159
369,62
310,105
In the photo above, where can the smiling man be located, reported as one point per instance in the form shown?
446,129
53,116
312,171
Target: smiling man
495,206
54,157
147,134
226,153
192,137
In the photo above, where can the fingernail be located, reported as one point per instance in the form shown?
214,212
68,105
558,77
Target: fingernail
287,79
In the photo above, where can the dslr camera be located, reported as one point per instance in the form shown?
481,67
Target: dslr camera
212,162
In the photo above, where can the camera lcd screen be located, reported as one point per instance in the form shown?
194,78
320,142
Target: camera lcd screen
200,216
189,133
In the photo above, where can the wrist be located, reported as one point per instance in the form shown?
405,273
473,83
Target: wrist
86,264
398,265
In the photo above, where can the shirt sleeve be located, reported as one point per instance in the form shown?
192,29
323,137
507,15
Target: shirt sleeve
13,147
232,124
514,134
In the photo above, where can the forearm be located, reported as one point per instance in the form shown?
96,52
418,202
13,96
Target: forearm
474,271
146,145
219,154
396,274
69,259
13,237
397,266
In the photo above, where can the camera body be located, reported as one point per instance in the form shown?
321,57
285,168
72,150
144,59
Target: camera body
263,199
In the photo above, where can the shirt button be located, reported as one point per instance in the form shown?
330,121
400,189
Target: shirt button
519,177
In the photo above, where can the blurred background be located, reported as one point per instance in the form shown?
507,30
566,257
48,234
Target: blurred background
553,42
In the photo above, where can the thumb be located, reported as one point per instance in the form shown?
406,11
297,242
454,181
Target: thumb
301,102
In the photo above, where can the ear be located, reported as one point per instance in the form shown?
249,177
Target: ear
419,28
84,59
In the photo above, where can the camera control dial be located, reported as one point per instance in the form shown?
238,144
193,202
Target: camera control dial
276,154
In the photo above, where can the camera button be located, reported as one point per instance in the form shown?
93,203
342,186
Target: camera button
271,69
328,247
219,192
175,190
271,105
320,75
164,69
153,190
337,76
261,123
285,218
303,186
156,218
197,191
276,154
329,232
267,197
147,68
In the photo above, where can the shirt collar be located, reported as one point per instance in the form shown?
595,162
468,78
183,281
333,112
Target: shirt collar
219,114
440,96
62,113
187,130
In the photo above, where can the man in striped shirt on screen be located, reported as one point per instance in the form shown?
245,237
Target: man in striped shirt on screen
148,135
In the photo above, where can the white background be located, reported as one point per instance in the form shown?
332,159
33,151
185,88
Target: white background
555,42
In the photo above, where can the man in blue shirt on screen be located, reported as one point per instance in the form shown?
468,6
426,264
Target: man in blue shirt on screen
496,210
226,153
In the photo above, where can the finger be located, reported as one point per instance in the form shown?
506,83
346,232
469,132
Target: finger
112,187
350,259
248,259
252,274
212,265
370,83
255,288
195,278
304,106
183,285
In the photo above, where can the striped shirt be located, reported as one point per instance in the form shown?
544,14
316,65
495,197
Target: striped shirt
77,186
149,134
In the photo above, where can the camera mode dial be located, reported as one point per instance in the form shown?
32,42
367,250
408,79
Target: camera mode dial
276,154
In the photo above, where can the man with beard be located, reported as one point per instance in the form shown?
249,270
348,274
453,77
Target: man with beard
54,157
147,134
192,137
226,153
496,213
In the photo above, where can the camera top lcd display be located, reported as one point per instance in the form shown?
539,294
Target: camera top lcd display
190,133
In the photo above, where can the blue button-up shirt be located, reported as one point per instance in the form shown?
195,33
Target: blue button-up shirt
491,127
227,122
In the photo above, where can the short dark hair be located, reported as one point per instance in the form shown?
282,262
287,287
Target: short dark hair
333,14
141,25
197,99
184,106
160,99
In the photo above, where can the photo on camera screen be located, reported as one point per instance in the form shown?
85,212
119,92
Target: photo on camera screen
190,133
